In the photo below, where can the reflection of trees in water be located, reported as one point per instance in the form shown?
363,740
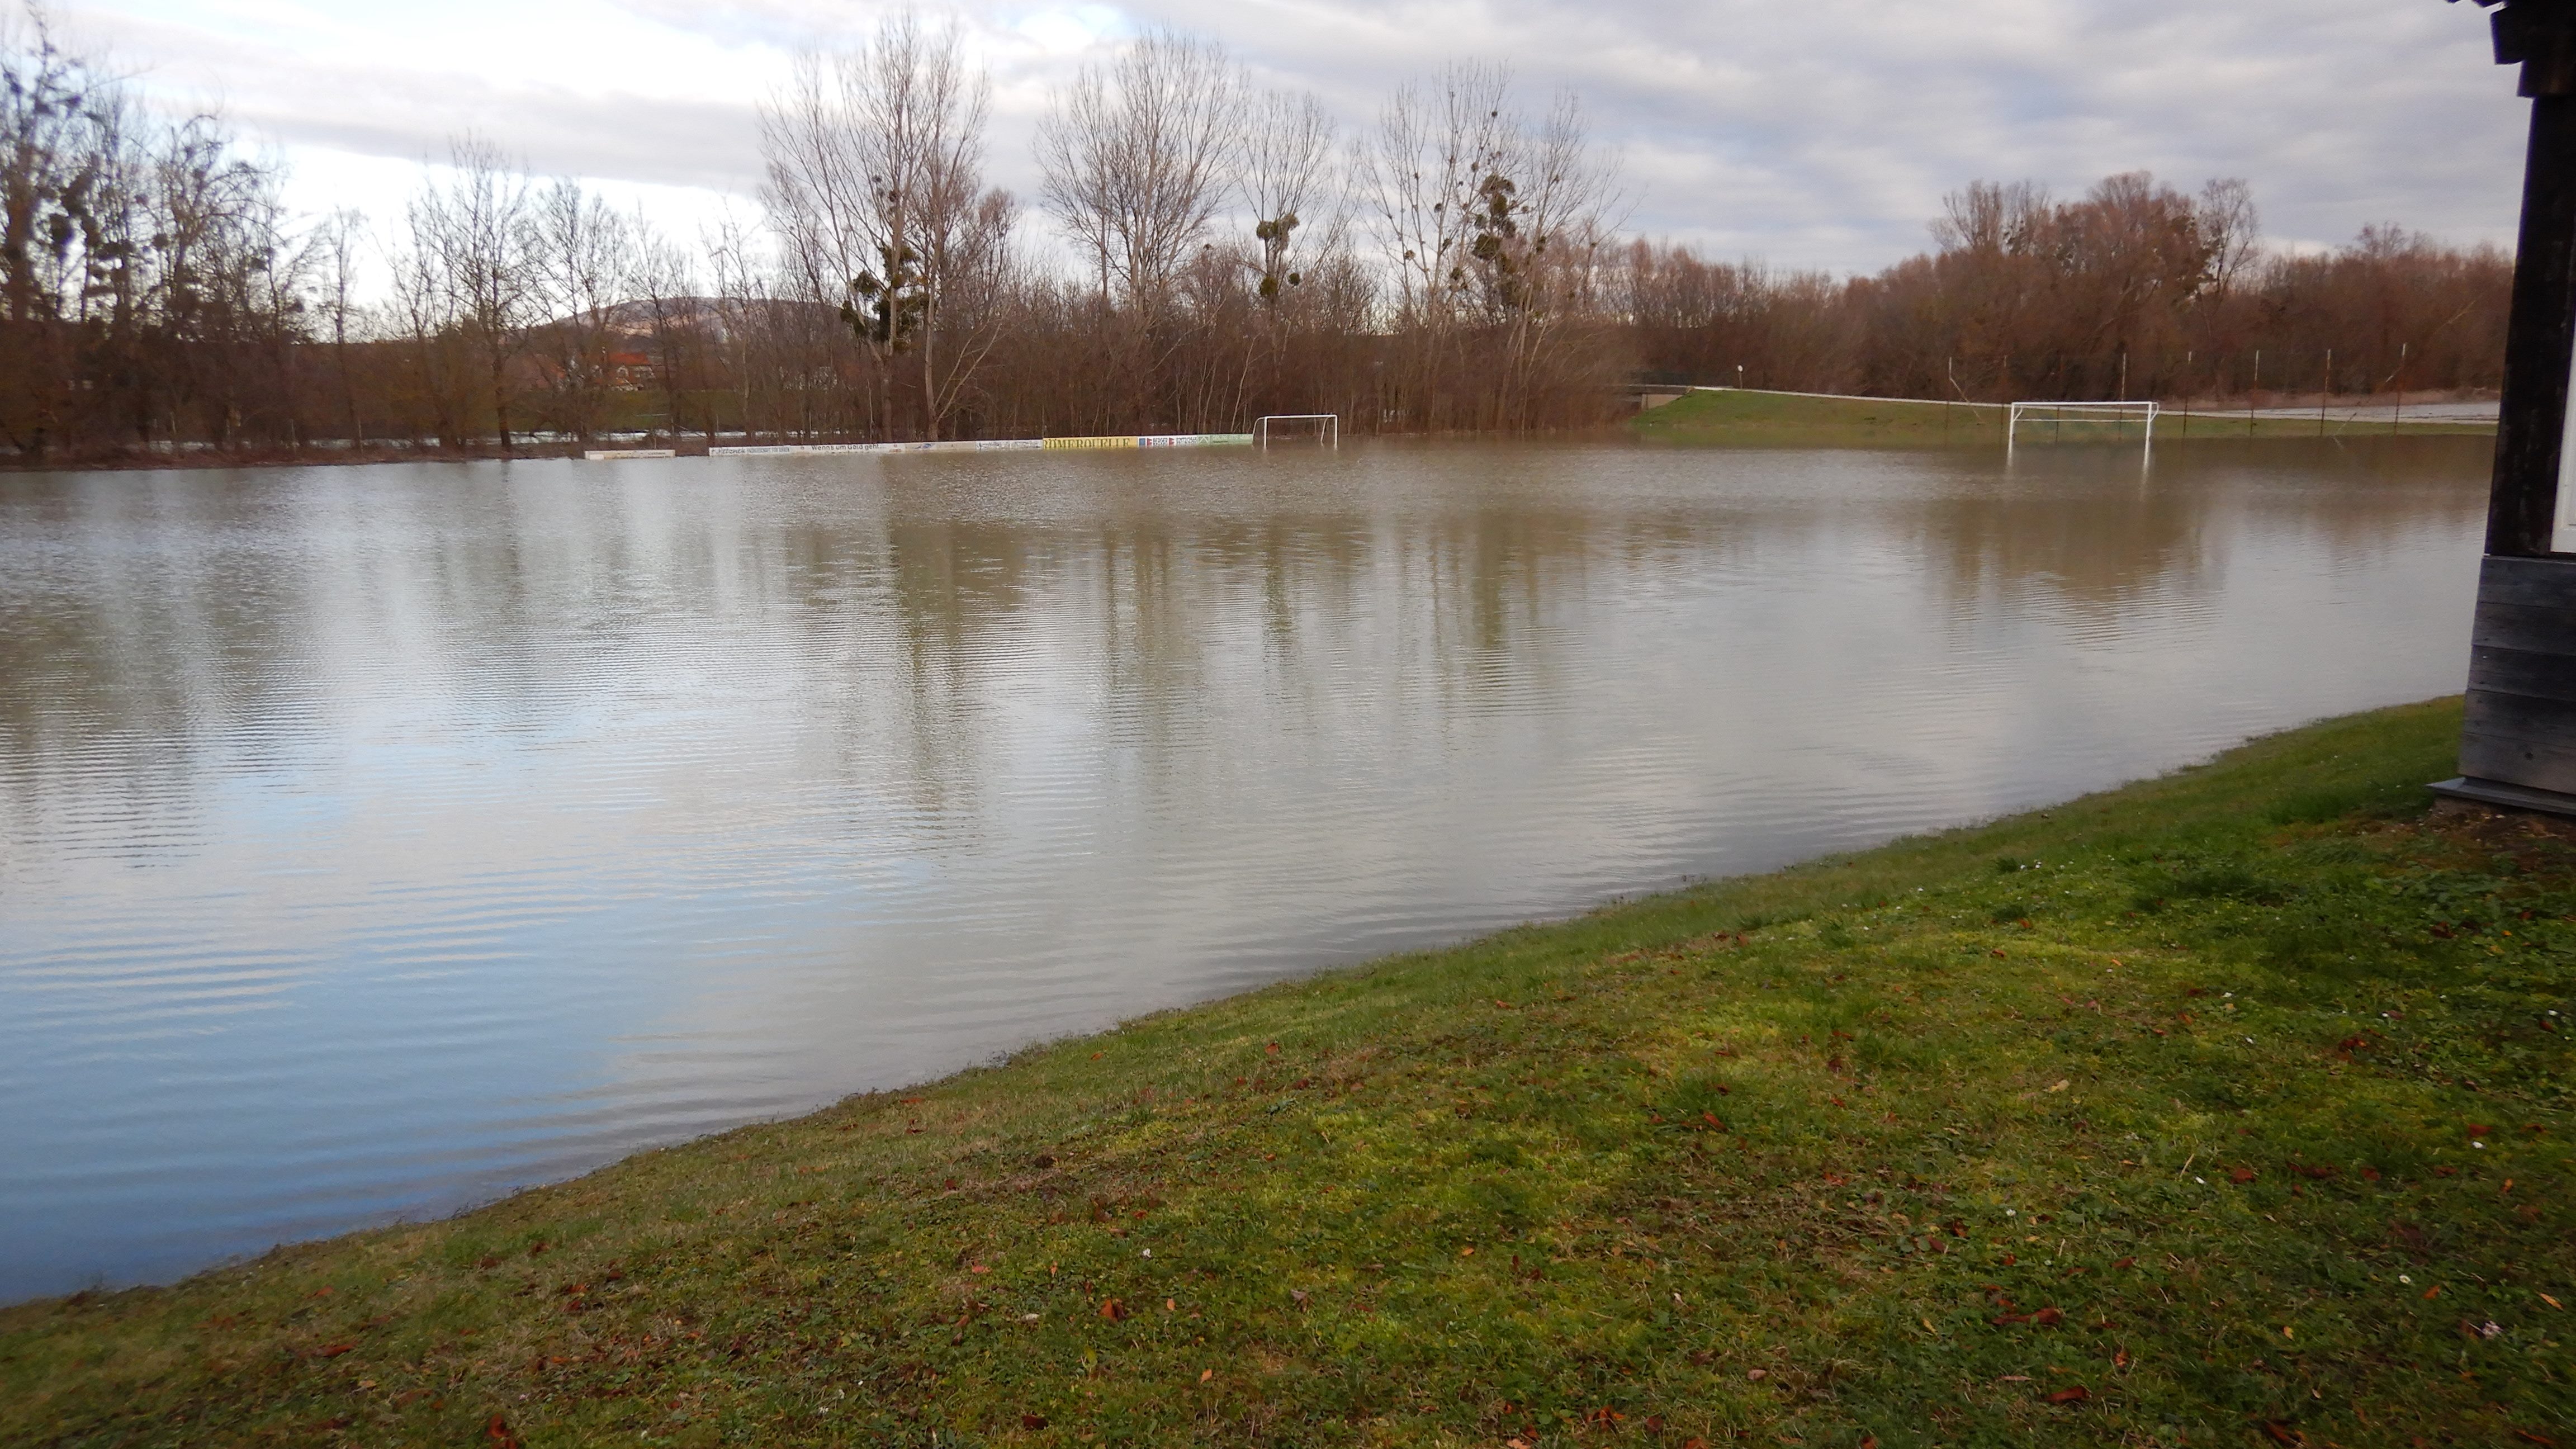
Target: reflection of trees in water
2095,549
1162,645
248,636
2097,531
926,646
136,623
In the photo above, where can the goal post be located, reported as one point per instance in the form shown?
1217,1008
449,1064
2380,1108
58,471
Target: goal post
1326,428
2082,422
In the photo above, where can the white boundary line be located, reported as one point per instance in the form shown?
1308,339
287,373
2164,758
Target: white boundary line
1921,402
988,445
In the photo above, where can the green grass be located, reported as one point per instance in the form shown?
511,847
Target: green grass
2221,1109
1779,419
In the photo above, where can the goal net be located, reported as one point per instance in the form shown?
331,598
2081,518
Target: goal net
2081,422
1322,429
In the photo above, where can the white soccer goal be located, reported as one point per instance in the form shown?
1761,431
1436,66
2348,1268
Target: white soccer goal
2083,422
1326,428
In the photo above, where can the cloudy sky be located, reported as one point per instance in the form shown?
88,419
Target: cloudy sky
1817,133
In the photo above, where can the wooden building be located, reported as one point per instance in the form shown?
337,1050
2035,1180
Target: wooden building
2518,747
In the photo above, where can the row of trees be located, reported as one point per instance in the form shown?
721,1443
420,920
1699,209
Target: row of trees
1199,252
2134,290
150,278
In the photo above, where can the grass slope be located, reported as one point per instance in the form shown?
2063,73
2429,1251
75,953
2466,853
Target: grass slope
2224,1108
1781,419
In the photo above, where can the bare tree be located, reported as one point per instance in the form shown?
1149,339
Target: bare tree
584,256
336,241
875,182
1421,170
1491,223
1545,222
60,126
59,121
473,240
665,288
1288,179
424,313
2232,228
1134,156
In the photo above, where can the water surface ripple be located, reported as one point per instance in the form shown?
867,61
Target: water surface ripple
374,840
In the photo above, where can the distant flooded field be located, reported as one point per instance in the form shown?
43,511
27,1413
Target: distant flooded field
373,840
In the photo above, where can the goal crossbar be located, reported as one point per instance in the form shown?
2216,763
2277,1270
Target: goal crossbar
2083,414
1330,434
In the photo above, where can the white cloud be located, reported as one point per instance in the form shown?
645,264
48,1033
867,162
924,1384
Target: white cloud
1822,134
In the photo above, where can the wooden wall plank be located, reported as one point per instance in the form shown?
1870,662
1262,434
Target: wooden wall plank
2529,627
2529,763
2548,583
2526,673
2520,716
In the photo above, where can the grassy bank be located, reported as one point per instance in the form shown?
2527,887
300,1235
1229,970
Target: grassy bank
1798,420
2225,1108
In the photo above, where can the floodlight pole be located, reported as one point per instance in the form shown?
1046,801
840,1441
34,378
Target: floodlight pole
2518,743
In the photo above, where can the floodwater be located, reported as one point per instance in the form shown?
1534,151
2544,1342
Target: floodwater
374,840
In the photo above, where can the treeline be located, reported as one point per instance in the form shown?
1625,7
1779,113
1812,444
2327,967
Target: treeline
2135,290
1199,252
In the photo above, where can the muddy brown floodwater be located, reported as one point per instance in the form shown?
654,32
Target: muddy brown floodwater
373,840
